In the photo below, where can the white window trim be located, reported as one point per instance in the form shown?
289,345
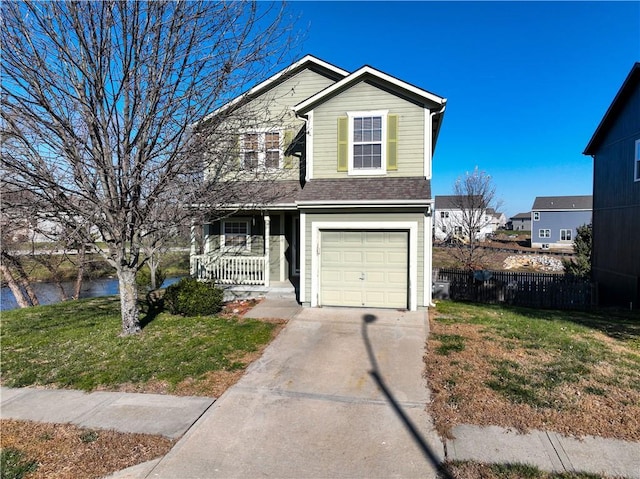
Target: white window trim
536,216
570,234
383,154
636,161
223,235
547,233
262,155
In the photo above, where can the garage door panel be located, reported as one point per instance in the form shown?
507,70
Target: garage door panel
364,268
377,257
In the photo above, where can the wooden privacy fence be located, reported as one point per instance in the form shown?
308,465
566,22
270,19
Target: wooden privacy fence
534,290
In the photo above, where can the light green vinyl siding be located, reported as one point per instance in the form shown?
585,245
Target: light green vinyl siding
366,97
350,217
272,111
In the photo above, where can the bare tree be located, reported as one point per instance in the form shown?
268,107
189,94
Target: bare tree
474,198
99,100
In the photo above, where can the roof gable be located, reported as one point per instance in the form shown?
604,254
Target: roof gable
617,105
306,62
367,73
563,203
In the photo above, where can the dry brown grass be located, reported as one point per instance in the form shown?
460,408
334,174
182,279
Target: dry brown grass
460,394
65,451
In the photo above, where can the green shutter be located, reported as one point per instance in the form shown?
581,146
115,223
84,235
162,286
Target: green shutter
392,142
236,151
343,143
288,159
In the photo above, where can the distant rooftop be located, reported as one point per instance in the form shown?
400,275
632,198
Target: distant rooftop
563,203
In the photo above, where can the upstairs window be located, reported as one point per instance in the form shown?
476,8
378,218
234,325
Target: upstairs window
367,143
444,214
565,235
545,233
536,216
261,150
636,163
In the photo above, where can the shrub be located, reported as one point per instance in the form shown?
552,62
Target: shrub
190,297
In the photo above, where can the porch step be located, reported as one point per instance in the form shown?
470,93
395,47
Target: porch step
275,290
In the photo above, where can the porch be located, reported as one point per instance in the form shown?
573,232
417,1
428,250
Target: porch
249,250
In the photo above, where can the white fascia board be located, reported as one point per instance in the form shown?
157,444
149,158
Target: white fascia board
254,206
363,203
274,78
355,76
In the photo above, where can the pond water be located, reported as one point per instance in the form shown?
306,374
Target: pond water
48,293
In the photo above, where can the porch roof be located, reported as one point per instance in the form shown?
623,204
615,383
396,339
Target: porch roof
345,190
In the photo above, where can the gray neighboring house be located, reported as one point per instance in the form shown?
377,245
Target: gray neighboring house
521,222
352,158
615,148
555,219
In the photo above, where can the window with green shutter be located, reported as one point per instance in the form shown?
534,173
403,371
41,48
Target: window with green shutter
367,142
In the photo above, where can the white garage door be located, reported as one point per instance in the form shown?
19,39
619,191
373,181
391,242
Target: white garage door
364,268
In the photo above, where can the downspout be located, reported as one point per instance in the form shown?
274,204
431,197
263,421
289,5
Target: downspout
429,234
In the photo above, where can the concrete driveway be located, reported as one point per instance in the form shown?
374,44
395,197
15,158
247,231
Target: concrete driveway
339,393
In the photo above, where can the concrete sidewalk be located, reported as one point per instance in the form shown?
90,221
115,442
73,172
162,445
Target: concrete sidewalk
168,416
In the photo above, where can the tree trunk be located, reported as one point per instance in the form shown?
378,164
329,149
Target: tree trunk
153,268
128,300
13,286
23,278
80,276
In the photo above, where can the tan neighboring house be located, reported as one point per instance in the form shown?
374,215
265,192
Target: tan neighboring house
353,220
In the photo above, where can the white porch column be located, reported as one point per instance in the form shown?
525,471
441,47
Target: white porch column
193,249
267,261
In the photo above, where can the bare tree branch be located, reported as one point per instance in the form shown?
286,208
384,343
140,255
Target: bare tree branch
99,100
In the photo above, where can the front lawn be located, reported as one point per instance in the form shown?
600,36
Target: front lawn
77,345
575,373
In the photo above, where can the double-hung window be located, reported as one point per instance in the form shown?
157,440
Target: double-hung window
544,233
235,234
565,235
636,163
261,150
367,142
536,216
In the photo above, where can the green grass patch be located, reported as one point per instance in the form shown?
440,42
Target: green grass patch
449,343
77,345
14,464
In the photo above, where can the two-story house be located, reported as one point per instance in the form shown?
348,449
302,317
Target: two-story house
351,223
555,220
520,222
455,216
615,148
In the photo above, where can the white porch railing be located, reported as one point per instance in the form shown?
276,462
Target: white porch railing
229,269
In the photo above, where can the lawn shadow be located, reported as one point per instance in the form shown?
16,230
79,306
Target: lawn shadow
442,470
616,323
151,307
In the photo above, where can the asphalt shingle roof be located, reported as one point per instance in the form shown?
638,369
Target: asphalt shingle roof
563,203
365,189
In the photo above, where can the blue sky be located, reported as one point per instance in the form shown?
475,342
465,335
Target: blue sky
527,82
